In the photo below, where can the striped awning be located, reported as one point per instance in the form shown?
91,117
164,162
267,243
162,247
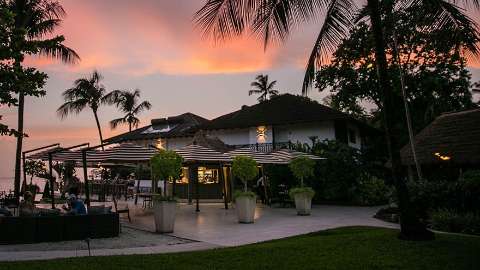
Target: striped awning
124,152
43,155
192,152
286,155
259,157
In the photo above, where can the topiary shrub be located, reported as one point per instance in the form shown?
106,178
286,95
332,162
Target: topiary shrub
245,169
302,167
166,165
370,190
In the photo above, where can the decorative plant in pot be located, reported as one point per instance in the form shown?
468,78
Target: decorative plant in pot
165,165
245,168
302,167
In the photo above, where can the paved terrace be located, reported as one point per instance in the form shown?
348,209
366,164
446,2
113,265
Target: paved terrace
212,227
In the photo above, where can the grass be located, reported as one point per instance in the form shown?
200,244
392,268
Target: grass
343,248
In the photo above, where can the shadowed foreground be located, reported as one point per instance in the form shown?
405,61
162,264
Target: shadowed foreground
343,248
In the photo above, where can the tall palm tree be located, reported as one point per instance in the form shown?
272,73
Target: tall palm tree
35,22
263,87
128,102
274,20
86,92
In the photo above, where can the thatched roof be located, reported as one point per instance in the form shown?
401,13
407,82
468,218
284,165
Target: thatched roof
451,137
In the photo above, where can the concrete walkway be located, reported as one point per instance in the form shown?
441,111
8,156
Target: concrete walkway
215,225
212,227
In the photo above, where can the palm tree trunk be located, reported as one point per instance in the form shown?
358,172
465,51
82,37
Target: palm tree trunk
18,154
129,126
411,227
98,127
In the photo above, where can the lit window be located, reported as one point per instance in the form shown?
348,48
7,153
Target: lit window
207,176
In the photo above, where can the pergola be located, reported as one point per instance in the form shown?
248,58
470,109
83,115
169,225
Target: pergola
202,152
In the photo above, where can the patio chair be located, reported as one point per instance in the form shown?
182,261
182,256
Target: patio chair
122,210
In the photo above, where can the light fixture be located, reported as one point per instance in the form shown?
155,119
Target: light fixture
261,134
442,157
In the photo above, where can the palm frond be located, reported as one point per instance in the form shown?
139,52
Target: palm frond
338,21
74,106
54,48
145,105
112,98
116,122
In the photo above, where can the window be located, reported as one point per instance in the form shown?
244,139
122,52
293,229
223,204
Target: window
352,136
207,176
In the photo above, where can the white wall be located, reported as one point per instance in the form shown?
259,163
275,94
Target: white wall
302,132
232,136
358,137
176,143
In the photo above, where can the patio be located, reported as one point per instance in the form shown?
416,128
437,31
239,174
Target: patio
218,226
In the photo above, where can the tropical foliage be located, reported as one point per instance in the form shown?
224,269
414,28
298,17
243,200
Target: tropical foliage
302,167
35,168
128,103
245,169
261,86
28,28
166,165
86,92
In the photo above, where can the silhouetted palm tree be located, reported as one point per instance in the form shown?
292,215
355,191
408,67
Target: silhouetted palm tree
35,24
86,93
128,103
275,19
263,87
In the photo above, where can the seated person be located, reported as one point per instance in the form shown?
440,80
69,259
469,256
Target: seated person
75,206
5,213
27,207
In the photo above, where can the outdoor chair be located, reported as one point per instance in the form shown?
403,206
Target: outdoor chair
122,210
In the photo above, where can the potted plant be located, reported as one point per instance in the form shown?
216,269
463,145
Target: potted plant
165,165
245,168
302,167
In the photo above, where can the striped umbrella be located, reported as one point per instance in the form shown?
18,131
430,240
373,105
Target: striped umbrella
195,152
43,155
259,157
287,155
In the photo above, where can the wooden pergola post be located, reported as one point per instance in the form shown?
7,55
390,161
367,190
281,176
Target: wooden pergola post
50,169
85,177
223,183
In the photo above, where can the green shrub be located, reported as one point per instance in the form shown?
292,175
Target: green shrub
305,190
244,168
452,221
370,190
166,165
240,193
302,167
162,198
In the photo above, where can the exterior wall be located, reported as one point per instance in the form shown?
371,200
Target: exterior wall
176,143
357,141
232,136
302,132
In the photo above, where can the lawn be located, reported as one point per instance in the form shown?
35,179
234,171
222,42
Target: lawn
343,248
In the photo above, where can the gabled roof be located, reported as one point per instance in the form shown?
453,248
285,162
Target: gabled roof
452,136
183,125
279,110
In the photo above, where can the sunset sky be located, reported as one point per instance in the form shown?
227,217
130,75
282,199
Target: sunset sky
154,46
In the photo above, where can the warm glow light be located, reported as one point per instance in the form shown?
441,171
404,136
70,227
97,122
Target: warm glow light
160,144
442,157
261,134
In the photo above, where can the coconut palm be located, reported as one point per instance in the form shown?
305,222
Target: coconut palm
274,20
128,103
263,87
86,92
35,22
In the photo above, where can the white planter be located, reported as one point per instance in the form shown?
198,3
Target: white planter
303,203
164,212
245,206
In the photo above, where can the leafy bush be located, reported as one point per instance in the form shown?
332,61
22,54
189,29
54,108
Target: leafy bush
302,167
166,165
452,221
245,168
302,190
370,190
239,193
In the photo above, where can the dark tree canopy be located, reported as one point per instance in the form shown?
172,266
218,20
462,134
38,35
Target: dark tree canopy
434,69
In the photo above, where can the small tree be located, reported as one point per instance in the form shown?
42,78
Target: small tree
244,168
302,167
166,165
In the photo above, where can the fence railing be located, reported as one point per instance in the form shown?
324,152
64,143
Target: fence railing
265,147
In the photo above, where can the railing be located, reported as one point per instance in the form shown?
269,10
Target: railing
265,147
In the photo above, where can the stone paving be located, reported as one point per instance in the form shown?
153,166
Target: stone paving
212,227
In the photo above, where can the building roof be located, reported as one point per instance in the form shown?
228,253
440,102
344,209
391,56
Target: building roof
279,110
452,137
183,125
